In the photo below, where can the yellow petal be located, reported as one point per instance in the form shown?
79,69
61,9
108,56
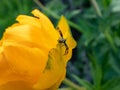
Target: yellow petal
54,71
16,85
68,56
29,20
46,23
26,62
7,74
29,36
63,25
57,84
33,32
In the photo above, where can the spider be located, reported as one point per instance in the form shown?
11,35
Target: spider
62,40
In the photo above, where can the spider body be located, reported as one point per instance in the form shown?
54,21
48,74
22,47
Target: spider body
62,40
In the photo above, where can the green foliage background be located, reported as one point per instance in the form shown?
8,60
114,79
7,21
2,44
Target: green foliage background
95,25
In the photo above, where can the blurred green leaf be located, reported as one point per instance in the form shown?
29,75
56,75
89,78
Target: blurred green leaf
112,84
115,5
10,9
110,40
84,83
96,71
71,14
56,6
114,64
106,3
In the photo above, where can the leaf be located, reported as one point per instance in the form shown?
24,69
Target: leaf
115,4
84,83
112,84
96,71
106,3
114,64
71,14
110,40
56,6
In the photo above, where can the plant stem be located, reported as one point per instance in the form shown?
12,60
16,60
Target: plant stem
96,7
72,85
56,16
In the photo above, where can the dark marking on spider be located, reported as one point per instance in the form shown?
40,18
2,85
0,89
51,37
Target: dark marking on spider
62,40
37,17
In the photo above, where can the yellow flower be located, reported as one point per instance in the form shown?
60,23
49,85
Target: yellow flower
31,56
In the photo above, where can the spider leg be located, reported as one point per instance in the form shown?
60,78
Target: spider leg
67,48
60,32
